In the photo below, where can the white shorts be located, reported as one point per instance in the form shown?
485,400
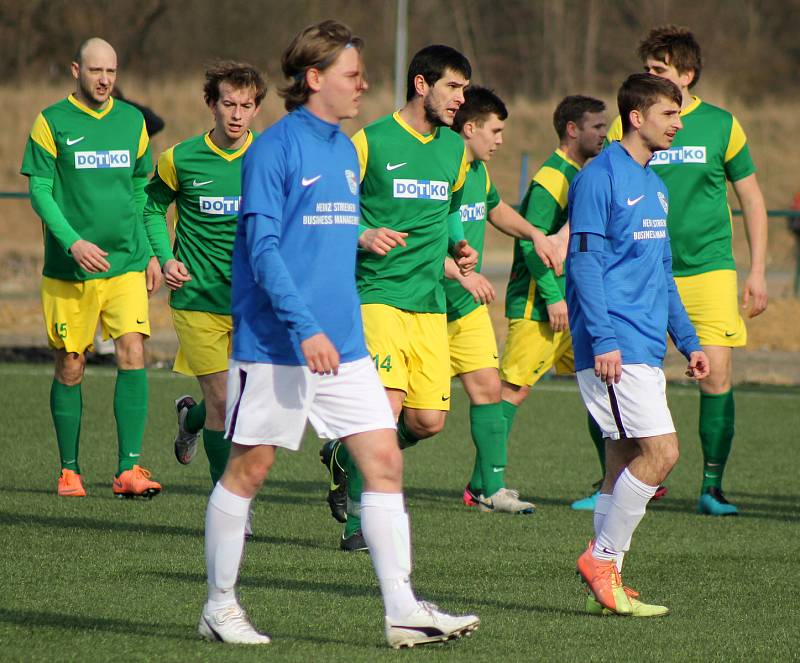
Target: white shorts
636,407
270,403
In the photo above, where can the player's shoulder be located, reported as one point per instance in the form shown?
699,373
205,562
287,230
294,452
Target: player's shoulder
450,137
190,144
126,110
601,170
382,125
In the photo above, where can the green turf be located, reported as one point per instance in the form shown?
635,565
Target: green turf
101,579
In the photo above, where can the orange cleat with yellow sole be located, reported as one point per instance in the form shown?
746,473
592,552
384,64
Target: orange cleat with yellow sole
70,484
604,581
136,482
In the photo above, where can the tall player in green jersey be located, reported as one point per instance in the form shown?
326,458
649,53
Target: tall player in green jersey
538,330
473,350
202,176
710,151
87,160
412,175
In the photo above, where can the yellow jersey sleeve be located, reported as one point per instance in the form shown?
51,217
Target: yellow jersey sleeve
166,169
362,150
462,171
43,136
736,142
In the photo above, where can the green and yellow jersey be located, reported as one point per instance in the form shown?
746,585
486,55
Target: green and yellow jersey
531,285
98,162
709,151
479,198
410,183
204,182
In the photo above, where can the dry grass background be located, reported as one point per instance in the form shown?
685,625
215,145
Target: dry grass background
771,128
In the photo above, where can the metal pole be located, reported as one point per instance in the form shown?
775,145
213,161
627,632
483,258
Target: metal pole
400,51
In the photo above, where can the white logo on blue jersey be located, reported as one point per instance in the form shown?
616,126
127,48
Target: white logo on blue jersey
474,212
352,182
219,205
675,155
422,189
663,200
103,159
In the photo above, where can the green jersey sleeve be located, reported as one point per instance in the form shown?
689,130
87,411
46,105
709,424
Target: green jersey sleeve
159,198
43,203
738,162
542,212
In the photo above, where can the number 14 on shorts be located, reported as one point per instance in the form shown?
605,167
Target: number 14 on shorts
385,364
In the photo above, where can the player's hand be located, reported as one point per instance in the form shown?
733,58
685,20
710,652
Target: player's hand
89,256
175,274
557,314
381,240
479,287
549,251
608,367
321,356
755,294
465,256
152,276
698,365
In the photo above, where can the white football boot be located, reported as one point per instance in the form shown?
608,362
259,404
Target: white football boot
231,625
505,500
428,624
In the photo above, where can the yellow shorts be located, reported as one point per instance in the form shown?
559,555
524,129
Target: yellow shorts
532,348
71,309
712,302
411,353
472,342
204,342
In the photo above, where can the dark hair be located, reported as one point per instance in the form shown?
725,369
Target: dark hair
479,104
237,74
315,47
571,109
431,63
676,46
640,91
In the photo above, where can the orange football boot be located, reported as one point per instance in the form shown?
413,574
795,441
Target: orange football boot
70,484
604,581
136,482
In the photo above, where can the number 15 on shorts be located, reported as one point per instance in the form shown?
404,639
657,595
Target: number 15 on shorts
385,364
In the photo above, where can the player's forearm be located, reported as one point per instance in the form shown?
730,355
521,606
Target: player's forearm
43,203
155,225
544,276
754,212
269,271
451,270
506,220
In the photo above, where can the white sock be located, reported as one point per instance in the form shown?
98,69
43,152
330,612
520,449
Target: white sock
601,507
628,504
225,520
384,523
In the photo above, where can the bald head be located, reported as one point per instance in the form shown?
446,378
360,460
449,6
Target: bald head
94,47
95,70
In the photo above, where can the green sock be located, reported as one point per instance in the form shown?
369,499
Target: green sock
488,428
476,480
509,412
130,411
716,436
217,449
66,406
405,437
599,442
195,418
355,486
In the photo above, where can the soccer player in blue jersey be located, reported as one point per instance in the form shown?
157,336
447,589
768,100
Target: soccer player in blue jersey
298,346
622,301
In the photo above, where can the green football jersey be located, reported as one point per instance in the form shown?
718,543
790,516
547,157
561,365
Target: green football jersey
709,151
205,183
93,159
409,183
478,199
531,285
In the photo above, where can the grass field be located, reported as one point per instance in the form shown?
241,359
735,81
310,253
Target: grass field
100,579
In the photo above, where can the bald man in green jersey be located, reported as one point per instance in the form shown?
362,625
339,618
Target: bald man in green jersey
202,177
87,160
710,151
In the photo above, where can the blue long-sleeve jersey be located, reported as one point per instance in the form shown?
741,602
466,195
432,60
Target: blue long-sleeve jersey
621,294
294,255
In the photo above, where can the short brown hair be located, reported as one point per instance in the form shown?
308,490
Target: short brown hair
480,103
238,74
315,47
640,91
572,109
676,46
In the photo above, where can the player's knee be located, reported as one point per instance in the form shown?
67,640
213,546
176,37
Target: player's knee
129,350
670,457
514,394
427,425
69,368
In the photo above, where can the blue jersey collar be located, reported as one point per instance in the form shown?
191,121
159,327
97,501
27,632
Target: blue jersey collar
323,129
